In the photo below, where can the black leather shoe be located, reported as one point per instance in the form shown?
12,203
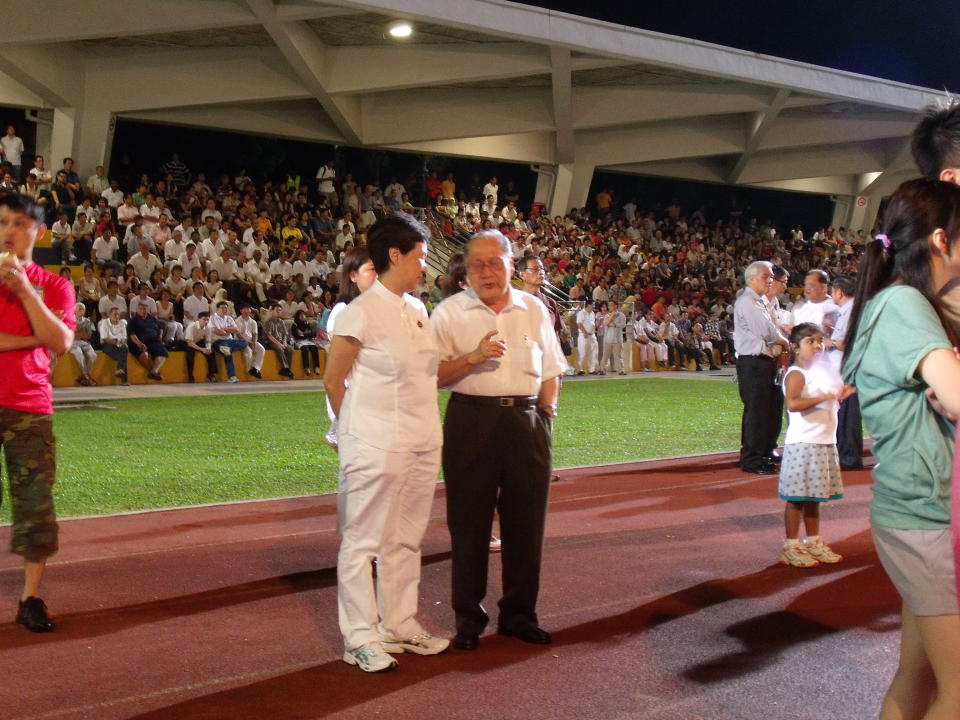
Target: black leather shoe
775,458
32,614
255,373
463,641
529,634
765,469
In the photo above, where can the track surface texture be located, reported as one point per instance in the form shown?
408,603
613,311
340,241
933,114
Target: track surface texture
660,586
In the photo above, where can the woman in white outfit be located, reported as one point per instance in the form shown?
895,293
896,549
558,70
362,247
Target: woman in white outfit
389,447
356,277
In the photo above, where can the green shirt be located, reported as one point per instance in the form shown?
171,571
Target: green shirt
913,444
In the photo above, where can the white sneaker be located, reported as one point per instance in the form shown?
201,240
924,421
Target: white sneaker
232,379
496,544
224,349
822,552
370,658
796,555
423,643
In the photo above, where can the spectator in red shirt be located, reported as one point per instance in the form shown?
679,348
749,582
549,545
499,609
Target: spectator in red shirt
36,318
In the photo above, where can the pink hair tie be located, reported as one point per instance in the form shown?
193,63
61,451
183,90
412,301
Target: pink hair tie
883,240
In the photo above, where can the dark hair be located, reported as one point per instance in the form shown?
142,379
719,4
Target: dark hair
353,260
202,314
845,284
936,140
395,230
779,271
456,275
24,204
804,330
914,211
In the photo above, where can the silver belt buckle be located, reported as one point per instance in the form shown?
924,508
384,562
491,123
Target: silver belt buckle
506,402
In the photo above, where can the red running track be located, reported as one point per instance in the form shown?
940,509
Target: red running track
660,587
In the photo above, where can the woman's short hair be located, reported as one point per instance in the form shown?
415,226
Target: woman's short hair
353,260
395,230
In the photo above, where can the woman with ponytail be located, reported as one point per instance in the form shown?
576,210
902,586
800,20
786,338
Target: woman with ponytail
902,361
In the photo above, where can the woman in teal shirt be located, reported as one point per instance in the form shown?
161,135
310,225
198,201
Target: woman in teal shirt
907,376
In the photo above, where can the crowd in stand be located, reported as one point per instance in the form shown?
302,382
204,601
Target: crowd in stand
182,248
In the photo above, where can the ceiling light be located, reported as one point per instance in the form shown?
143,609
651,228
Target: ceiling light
400,29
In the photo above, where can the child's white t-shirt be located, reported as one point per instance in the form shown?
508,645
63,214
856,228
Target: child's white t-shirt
818,424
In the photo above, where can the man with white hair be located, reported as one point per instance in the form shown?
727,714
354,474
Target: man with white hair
758,343
500,356
81,349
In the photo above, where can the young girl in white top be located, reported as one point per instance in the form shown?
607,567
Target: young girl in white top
810,471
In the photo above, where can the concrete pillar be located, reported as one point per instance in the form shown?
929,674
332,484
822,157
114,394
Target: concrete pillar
847,213
841,210
61,137
94,140
571,188
546,179
44,136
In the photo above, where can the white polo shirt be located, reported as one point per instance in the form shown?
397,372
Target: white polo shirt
533,352
391,402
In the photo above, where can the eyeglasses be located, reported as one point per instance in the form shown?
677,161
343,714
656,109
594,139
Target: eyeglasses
479,266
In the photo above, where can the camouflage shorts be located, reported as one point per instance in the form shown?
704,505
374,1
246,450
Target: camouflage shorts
28,448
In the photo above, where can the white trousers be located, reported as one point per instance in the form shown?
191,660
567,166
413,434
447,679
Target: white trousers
611,357
587,352
653,351
84,354
383,509
253,356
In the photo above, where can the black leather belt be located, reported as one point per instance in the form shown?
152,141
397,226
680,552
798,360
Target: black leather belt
759,357
508,401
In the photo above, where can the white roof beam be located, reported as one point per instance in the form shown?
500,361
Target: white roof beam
815,162
759,126
353,69
191,77
296,120
562,102
532,147
450,113
901,163
695,137
306,55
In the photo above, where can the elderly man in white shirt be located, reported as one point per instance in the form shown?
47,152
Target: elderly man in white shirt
500,357
256,272
282,266
191,259
173,249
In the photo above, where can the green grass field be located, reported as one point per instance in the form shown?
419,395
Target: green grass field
184,451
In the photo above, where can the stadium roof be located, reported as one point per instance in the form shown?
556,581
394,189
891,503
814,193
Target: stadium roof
480,78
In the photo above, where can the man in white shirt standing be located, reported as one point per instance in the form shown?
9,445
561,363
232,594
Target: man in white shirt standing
849,420
817,307
12,148
500,356
326,177
587,339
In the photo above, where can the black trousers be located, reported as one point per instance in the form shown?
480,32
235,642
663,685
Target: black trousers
850,433
776,415
211,362
755,376
496,458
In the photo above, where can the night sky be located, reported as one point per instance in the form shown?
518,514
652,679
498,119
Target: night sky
910,42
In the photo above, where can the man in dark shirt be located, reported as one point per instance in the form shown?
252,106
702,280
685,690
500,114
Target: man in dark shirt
146,333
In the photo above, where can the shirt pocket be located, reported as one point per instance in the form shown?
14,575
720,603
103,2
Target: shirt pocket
527,357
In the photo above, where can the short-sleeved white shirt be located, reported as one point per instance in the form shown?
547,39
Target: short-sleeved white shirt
818,424
533,352
391,401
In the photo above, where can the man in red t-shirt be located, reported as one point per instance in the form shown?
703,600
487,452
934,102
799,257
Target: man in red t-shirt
36,319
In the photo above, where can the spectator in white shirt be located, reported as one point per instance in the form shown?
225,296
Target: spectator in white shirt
197,340
144,262
196,303
113,195
61,236
174,248
143,298
224,335
282,266
190,260
113,340
492,189
249,333
211,248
